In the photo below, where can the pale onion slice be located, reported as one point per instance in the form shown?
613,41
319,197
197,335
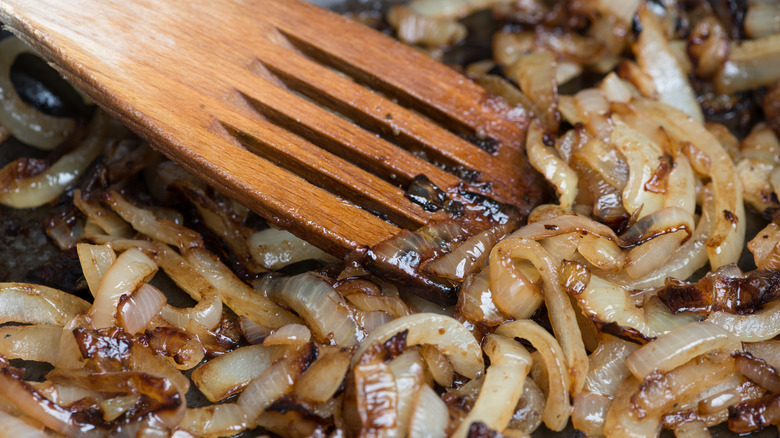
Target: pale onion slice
253,332
594,109
653,254
768,351
608,365
751,64
760,325
34,304
642,156
95,261
229,374
764,247
662,221
131,269
557,408
438,365
681,184
662,320
324,377
143,359
616,89
562,316
679,346
278,380
111,225
762,19
414,28
510,363
409,373
429,417
30,342
638,409
475,301
535,72
68,351
274,249
22,119
511,285
601,253
726,242
138,309
389,304
446,333
548,163
22,191
657,60
528,414
318,303
290,334
144,221
454,9
692,429
235,293
115,406
15,427
214,421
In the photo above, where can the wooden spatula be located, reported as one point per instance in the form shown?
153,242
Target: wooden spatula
315,122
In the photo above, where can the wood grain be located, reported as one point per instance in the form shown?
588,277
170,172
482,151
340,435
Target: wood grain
242,93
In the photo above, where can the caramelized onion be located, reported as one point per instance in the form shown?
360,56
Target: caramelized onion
679,346
503,385
449,335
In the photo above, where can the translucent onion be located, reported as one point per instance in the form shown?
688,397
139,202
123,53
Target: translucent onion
726,242
290,334
594,109
503,385
764,247
31,342
511,287
138,309
23,191
274,249
708,47
557,408
758,326
657,60
33,304
470,255
14,427
556,171
679,346
446,333
130,270
22,119
409,372
235,293
229,374
562,316
429,415
642,157
535,72
95,261
751,64
111,225
450,8
762,19
662,320
768,351
414,28
652,255
253,332
318,303
438,365
214,421
475,301
758,372
325,376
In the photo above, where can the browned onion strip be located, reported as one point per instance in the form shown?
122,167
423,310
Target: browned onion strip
726,242
377,397
503,385
23,191
555,170
110,223
764,247
34,304
557,408
470,255
446,333
144,221
20,118
679,346
562,316
237,294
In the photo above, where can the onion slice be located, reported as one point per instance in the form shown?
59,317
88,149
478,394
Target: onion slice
429,415
229,374
679,346
33,304
503,385
131,269
446,333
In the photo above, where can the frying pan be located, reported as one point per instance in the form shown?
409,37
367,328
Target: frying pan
26,253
